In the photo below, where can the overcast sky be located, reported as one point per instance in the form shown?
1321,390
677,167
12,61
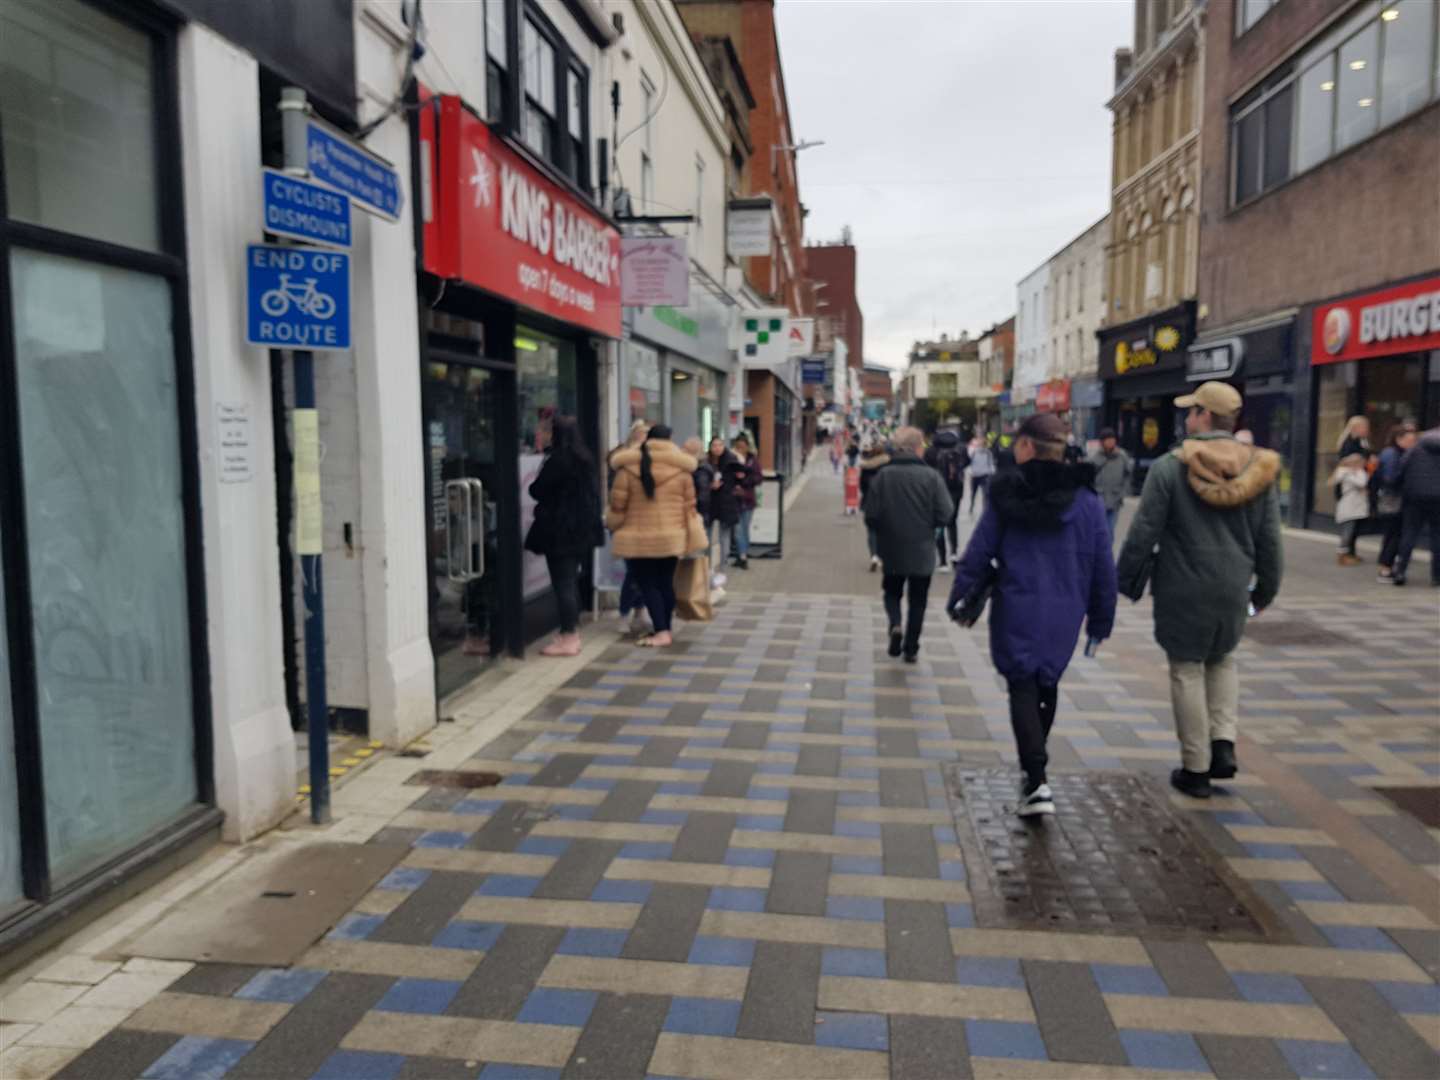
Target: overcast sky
966,141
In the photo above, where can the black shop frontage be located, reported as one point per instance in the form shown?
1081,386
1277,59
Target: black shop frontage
1143,367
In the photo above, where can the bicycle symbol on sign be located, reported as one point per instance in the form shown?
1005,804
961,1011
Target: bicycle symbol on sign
310,300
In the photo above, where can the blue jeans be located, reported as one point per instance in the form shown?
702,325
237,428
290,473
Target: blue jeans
742,534
1111,516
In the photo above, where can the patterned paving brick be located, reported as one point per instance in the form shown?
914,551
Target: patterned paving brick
780,998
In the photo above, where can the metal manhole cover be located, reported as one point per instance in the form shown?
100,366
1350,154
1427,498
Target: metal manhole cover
1288,632
1421,802
1114,859
454,778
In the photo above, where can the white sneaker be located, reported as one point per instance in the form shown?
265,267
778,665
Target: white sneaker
717,581
1040,801
944,568
874,563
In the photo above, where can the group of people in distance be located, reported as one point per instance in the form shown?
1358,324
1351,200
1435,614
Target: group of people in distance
665,503
1205,539
1399,486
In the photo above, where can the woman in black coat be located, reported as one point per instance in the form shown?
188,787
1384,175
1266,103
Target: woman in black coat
724,496
567,525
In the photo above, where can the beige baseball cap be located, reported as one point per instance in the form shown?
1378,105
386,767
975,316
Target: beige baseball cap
1216,397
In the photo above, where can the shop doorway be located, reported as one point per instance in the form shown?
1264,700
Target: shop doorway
467,464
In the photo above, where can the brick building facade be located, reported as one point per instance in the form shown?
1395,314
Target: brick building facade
1319,204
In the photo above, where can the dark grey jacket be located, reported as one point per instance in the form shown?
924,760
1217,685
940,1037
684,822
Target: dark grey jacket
906,503
1112,476
1420,469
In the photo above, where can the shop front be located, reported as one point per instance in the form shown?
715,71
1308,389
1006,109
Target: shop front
1087,409
1258,359
1142,364
519,295
1016,404
1374,354
676,368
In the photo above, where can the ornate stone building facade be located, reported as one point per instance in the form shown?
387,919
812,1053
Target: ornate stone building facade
1154,216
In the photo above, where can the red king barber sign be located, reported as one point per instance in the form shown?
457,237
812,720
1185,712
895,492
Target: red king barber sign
494,221
1405,318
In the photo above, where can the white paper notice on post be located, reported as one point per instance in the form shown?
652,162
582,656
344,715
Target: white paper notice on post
308,540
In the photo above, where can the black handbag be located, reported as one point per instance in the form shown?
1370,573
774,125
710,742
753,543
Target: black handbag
972,605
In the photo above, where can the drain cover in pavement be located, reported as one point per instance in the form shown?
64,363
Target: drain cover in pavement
1290,632
1422,802
1114,858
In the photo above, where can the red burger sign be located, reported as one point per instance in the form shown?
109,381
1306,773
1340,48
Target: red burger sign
1405,318
494,221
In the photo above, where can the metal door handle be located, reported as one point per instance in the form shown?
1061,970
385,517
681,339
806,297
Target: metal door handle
456,491
475,521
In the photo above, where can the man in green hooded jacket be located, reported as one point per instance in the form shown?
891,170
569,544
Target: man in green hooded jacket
1212,507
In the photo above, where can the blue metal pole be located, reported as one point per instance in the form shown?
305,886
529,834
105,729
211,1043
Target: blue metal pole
311,572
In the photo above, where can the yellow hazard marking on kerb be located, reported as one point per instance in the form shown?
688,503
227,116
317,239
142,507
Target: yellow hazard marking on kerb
338,770
350,762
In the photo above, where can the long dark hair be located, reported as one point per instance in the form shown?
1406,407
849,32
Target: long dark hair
647,473
565,440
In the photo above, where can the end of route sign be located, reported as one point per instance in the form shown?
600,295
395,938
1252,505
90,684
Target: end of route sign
297,298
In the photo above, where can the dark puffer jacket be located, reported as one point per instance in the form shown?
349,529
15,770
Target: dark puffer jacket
567,507
1046,524
907,502
1420,471
947,454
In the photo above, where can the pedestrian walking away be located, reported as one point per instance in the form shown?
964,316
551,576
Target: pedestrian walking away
872,461
725,469
948,456
652,503
906,504
1212,507
632,603
1044,529
748,478
982,468
567,527
852,452
1388,499
1113,470
1420,498
1353,483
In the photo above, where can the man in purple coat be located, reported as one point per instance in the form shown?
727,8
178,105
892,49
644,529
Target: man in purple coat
1044,527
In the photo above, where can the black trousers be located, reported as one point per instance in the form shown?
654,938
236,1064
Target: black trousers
977,485
1032,715
565,580
656,578
1419,515
1390,539
952,529
895,586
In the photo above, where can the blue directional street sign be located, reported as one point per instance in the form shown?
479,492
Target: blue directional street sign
348,167
305,211
297,298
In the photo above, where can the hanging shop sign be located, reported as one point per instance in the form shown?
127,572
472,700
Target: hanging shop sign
1404,318
747,227
800,337
654,270
496,222
813,370
1053,396
762,339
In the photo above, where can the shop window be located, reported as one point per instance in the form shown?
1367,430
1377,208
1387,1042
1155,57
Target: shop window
1249,12
497,51
1408,38
1374,70
11,887
645,395
1356,116
99,439
77,108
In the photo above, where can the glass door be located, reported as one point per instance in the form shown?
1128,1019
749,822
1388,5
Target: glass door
463,515
11,888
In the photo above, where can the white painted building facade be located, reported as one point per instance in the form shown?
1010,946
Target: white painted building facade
1032,333
1077,303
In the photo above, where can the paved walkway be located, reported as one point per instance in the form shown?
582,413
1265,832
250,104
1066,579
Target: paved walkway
740,858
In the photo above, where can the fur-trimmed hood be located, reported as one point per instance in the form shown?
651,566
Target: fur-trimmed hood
1039,494
874,459
1225,472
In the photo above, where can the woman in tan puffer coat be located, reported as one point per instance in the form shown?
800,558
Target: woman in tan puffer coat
652,514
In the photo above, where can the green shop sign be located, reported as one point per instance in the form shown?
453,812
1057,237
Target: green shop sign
677,320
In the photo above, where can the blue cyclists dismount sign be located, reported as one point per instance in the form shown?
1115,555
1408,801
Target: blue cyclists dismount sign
297,298
304,211
348,167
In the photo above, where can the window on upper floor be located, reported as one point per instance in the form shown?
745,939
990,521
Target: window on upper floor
1080,288
1249,12
1374,70
537,89
699,202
